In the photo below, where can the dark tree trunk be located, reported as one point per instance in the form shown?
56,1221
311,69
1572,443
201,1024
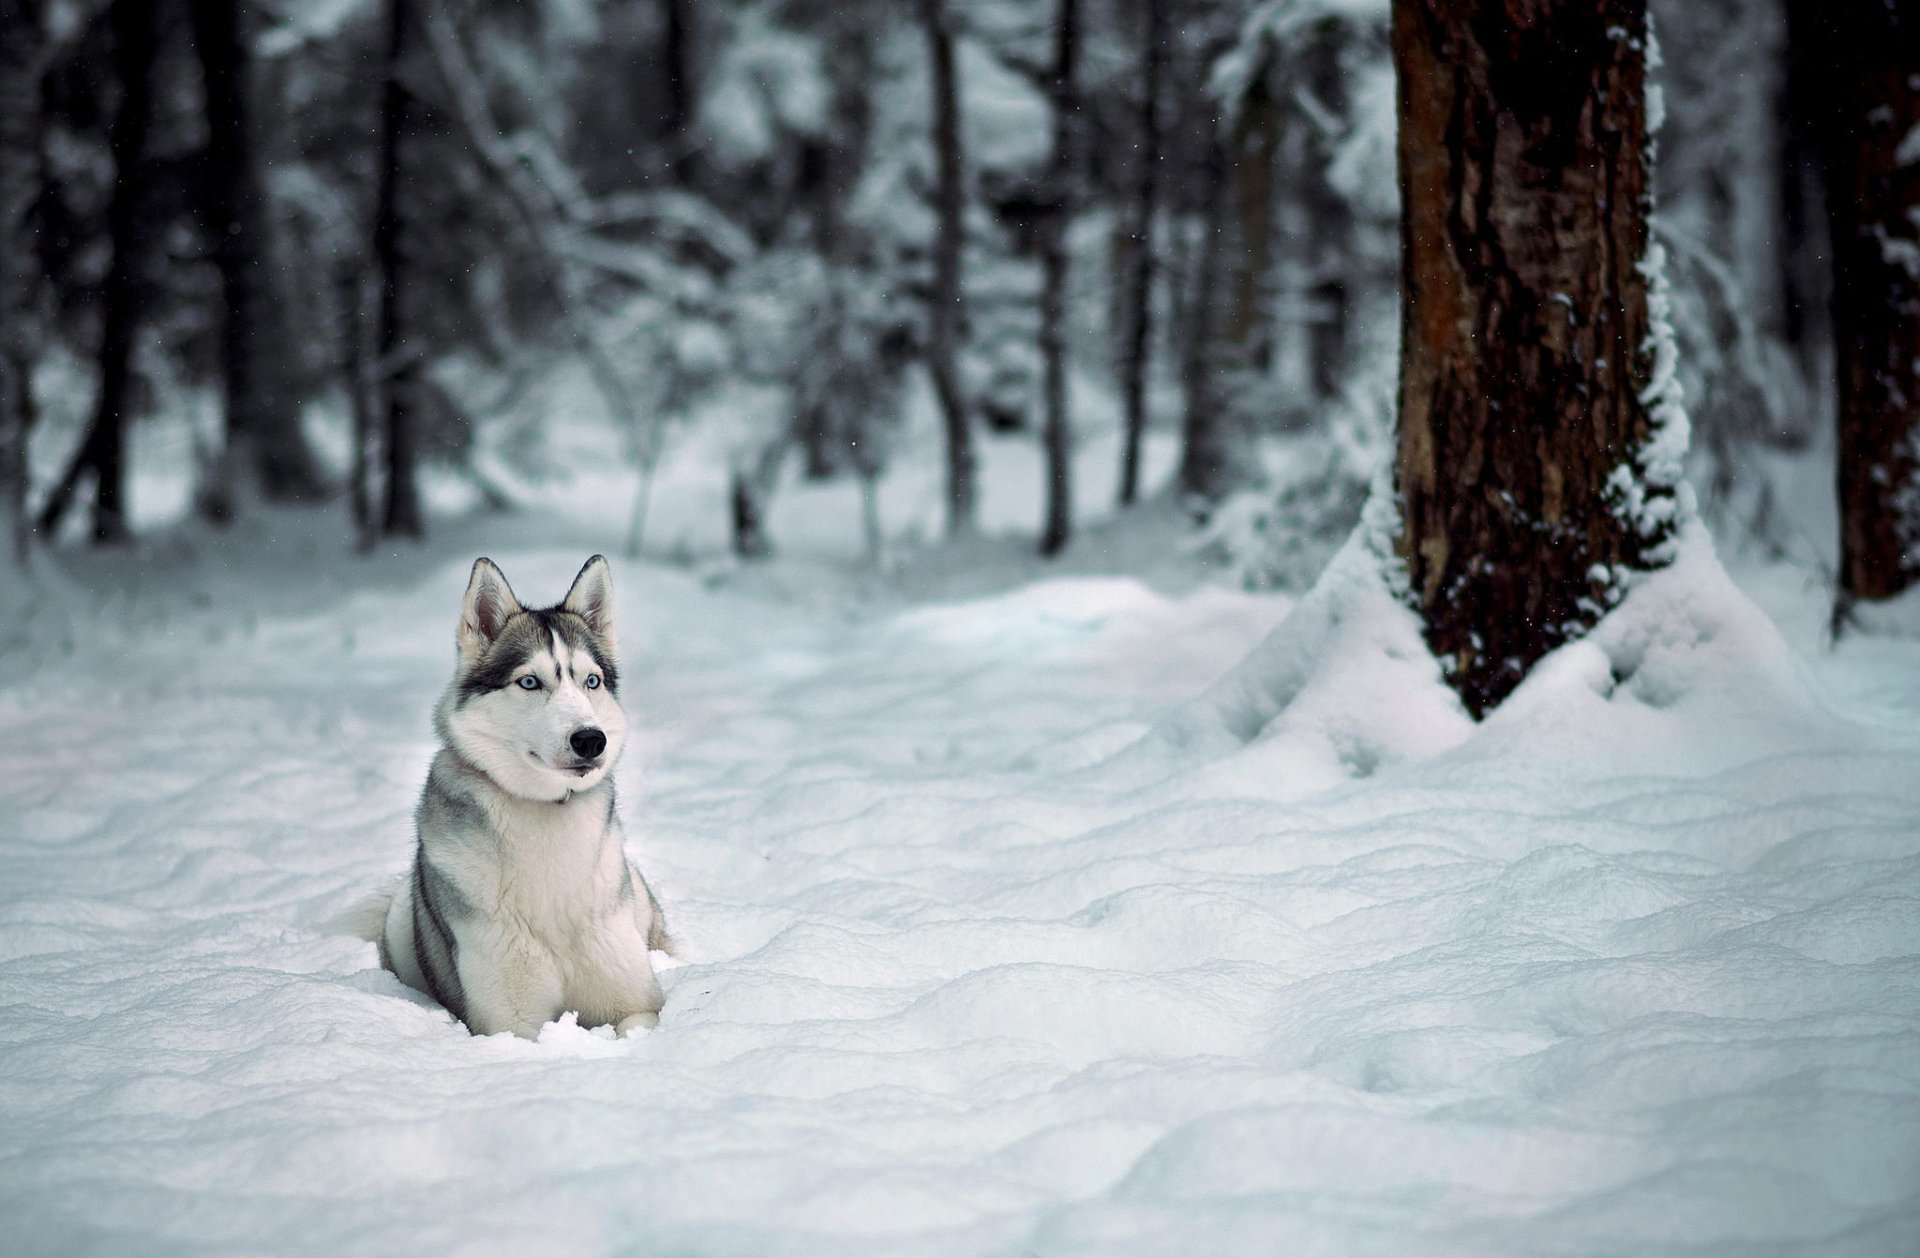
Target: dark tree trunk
23,51
1217,455
750,492
1056,434
1806,275
1246,338
398,364
946,319
103,450
1136,355
1868,134
1526,332
262,413
1329,238
677,51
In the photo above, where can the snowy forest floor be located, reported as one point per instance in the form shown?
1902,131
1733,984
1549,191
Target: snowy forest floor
969,965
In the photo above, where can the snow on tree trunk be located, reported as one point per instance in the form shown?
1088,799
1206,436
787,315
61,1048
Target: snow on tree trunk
1869,131
1540,431
262,414
946,318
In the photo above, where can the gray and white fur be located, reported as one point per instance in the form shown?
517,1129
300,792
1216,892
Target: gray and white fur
521,904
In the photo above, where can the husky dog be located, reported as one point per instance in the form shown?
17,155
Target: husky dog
522,903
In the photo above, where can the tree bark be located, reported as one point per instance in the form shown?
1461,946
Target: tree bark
946,318
1136,356
1869,135
23,53
398,361
103,450
1217,454
262,413
1056,435
1522,470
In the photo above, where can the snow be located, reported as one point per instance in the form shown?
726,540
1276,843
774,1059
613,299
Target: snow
1073,917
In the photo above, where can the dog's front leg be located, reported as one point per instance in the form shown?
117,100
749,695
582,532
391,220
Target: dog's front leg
510,987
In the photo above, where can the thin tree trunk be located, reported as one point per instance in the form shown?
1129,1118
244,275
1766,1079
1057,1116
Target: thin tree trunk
398,364
262,414
1137,354
1056,433
1527,341
946,317
359,375
103,450
750,494
1870,136
1217,454
23,53
677,52
1245,339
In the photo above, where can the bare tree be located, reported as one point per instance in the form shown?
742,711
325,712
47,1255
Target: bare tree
1136,355
103,449
397,366
23,56
1527,341
1867,128
947,316
262,412
1056,435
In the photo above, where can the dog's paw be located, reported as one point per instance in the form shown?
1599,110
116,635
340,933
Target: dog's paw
644,1021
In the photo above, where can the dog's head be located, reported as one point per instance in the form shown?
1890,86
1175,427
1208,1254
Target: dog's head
534,702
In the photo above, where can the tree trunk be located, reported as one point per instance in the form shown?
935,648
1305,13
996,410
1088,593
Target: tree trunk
1870,137
1217,454
1137,353
947,316
1524,471
677,52
398,360
103,450
750,493
1806,276
262,414
1056,434
23,52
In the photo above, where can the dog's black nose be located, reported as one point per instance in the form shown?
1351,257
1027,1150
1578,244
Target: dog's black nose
588,743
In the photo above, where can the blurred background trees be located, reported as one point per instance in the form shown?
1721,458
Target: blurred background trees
342,248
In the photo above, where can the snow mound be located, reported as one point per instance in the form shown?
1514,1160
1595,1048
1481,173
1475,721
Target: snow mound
1686,672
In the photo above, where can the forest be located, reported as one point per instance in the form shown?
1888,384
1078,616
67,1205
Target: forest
1249,624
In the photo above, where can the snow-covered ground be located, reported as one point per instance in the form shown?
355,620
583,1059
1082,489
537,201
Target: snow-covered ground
1007,930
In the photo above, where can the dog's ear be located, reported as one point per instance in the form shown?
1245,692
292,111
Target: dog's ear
591,597
488,606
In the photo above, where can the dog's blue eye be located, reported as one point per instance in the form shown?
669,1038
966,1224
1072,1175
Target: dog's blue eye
593,681
529,682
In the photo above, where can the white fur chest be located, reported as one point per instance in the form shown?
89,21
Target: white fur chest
553,869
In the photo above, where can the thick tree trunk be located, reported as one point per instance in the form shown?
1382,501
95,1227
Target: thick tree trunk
1870,136
947,315
262,414
398,365
103,450
23,51
1527,345
1136,355
1056,434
